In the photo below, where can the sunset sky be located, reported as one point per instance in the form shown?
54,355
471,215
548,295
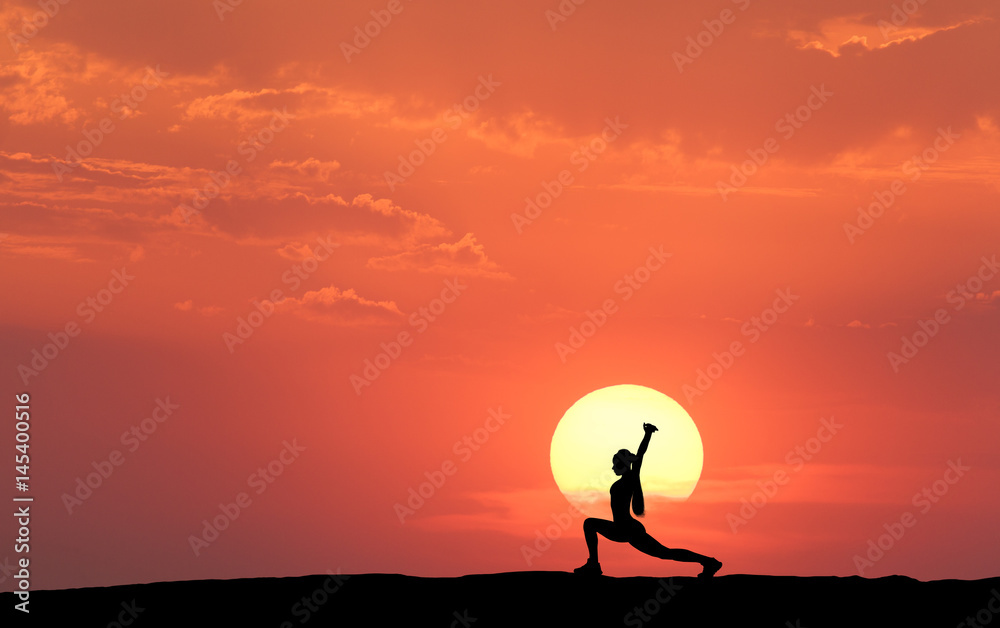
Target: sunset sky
299,259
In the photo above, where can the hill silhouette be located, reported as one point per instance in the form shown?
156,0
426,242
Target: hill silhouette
521,599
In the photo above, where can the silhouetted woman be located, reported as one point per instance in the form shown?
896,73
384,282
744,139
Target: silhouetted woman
626,529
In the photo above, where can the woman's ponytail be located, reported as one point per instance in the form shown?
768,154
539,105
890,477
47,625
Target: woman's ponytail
638,503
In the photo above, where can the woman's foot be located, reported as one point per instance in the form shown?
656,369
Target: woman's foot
709,568
592,567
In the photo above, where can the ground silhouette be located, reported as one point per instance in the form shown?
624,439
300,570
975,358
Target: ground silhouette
520,599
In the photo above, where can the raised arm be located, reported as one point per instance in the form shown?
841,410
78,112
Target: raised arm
649,428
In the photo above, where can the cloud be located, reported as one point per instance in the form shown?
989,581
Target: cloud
265,216
311,167
308,100
117,199
519,134
295,251
33,88
205,310
342,307
465,258
49,252
412,225
870,32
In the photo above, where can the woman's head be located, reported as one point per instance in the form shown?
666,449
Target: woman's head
622,461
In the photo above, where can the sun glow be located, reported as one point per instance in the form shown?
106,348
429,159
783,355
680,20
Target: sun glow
609,419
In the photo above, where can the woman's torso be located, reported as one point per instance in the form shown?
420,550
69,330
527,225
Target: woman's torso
621,496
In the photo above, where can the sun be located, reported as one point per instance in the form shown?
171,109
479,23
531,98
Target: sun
608,419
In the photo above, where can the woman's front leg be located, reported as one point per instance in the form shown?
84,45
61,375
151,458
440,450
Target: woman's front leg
593,526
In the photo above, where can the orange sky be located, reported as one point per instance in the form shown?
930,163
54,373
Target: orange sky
232,210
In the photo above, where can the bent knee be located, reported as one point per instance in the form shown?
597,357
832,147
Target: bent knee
596,524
